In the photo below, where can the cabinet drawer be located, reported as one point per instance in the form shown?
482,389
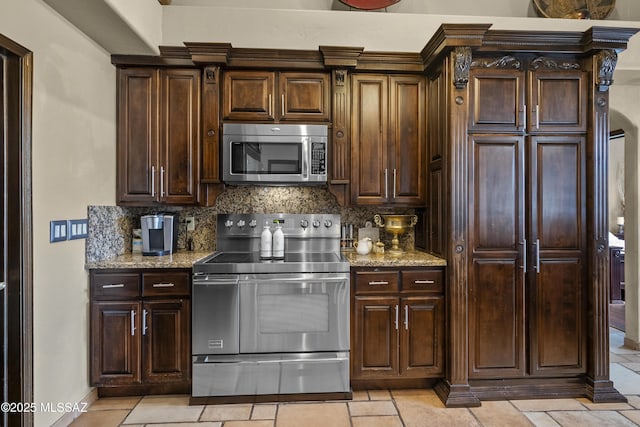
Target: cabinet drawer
158,284
423,280
376,281
115,285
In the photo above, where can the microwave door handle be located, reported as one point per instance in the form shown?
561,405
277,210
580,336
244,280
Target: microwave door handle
305,160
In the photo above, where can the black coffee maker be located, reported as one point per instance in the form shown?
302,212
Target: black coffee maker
159,234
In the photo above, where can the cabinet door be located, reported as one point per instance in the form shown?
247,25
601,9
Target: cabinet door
370,168
166,345
374,348
557,291
422,337
249,95
558,101
407,140
115,339
137,141
496,270
180,135
304,96
496,99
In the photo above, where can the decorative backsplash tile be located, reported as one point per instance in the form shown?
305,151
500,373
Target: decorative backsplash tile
110,227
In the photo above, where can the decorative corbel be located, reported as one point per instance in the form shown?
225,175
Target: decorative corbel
462,64
606,63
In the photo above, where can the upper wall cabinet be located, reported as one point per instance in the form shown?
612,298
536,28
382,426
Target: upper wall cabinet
158,134
505,97
276,96
388,139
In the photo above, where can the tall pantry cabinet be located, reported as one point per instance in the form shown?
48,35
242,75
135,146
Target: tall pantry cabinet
517,141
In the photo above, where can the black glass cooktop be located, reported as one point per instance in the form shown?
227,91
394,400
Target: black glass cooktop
243,262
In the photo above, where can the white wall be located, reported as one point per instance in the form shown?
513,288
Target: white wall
73,165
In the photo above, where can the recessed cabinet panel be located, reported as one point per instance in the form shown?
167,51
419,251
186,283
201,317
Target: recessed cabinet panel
248,95
496,100
304,96
421,337
558,101
376,351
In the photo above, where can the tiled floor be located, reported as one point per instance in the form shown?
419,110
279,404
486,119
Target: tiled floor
382,408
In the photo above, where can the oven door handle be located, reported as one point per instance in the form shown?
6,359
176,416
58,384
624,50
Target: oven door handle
210,280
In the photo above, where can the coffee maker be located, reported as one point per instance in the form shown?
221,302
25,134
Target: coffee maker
159,234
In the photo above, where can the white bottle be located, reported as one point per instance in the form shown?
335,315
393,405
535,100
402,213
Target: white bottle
278,241
265,242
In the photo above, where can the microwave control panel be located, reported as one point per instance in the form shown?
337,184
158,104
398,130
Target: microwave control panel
318,158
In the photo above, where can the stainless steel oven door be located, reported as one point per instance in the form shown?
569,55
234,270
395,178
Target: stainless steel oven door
294,313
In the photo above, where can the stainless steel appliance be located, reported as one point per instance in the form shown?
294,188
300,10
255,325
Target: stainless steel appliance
274,154
159,234
271,326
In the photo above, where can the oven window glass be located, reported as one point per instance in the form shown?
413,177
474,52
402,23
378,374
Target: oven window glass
266,158
291,313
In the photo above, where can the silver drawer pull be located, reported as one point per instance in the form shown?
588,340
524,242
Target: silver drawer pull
163,285
424,282
379,282
113,285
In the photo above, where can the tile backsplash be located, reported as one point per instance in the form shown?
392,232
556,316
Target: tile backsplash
110,227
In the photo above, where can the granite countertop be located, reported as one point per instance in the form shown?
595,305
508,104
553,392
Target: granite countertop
181,259
185,259
407,259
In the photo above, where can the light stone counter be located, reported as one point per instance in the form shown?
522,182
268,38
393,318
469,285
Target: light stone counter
180,259
407,259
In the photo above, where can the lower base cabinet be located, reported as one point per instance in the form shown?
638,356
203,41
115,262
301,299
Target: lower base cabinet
397,324
140,331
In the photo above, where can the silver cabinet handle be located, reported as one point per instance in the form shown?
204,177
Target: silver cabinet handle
161,181
269,104
406,317
394,183
537,116
424,282
144,322
378,282
386,183
2,286
113,285
282,105
133,322
524,116
524,256
153,181
537,254
163,285
396,317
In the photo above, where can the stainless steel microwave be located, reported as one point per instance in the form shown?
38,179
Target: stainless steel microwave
274,153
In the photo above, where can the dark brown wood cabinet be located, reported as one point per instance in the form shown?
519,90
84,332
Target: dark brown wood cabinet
387,140
276,96
518,133
158,136
140,331
397,324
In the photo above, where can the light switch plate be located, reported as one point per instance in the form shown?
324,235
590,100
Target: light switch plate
57,231
77,228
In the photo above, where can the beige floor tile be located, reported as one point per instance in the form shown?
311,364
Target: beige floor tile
164,409
624,380
385,421
603,406
226,412
634,401
632,415
534,405
100,418
252,423
313,415
591,419
416,406
616,358
501,413
360,395
541,419
264,412
200,424
107,403
634,366
377,407
379,395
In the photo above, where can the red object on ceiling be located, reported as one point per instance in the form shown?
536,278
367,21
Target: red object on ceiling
369,4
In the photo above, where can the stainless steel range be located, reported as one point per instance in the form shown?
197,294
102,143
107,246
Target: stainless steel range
272,326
